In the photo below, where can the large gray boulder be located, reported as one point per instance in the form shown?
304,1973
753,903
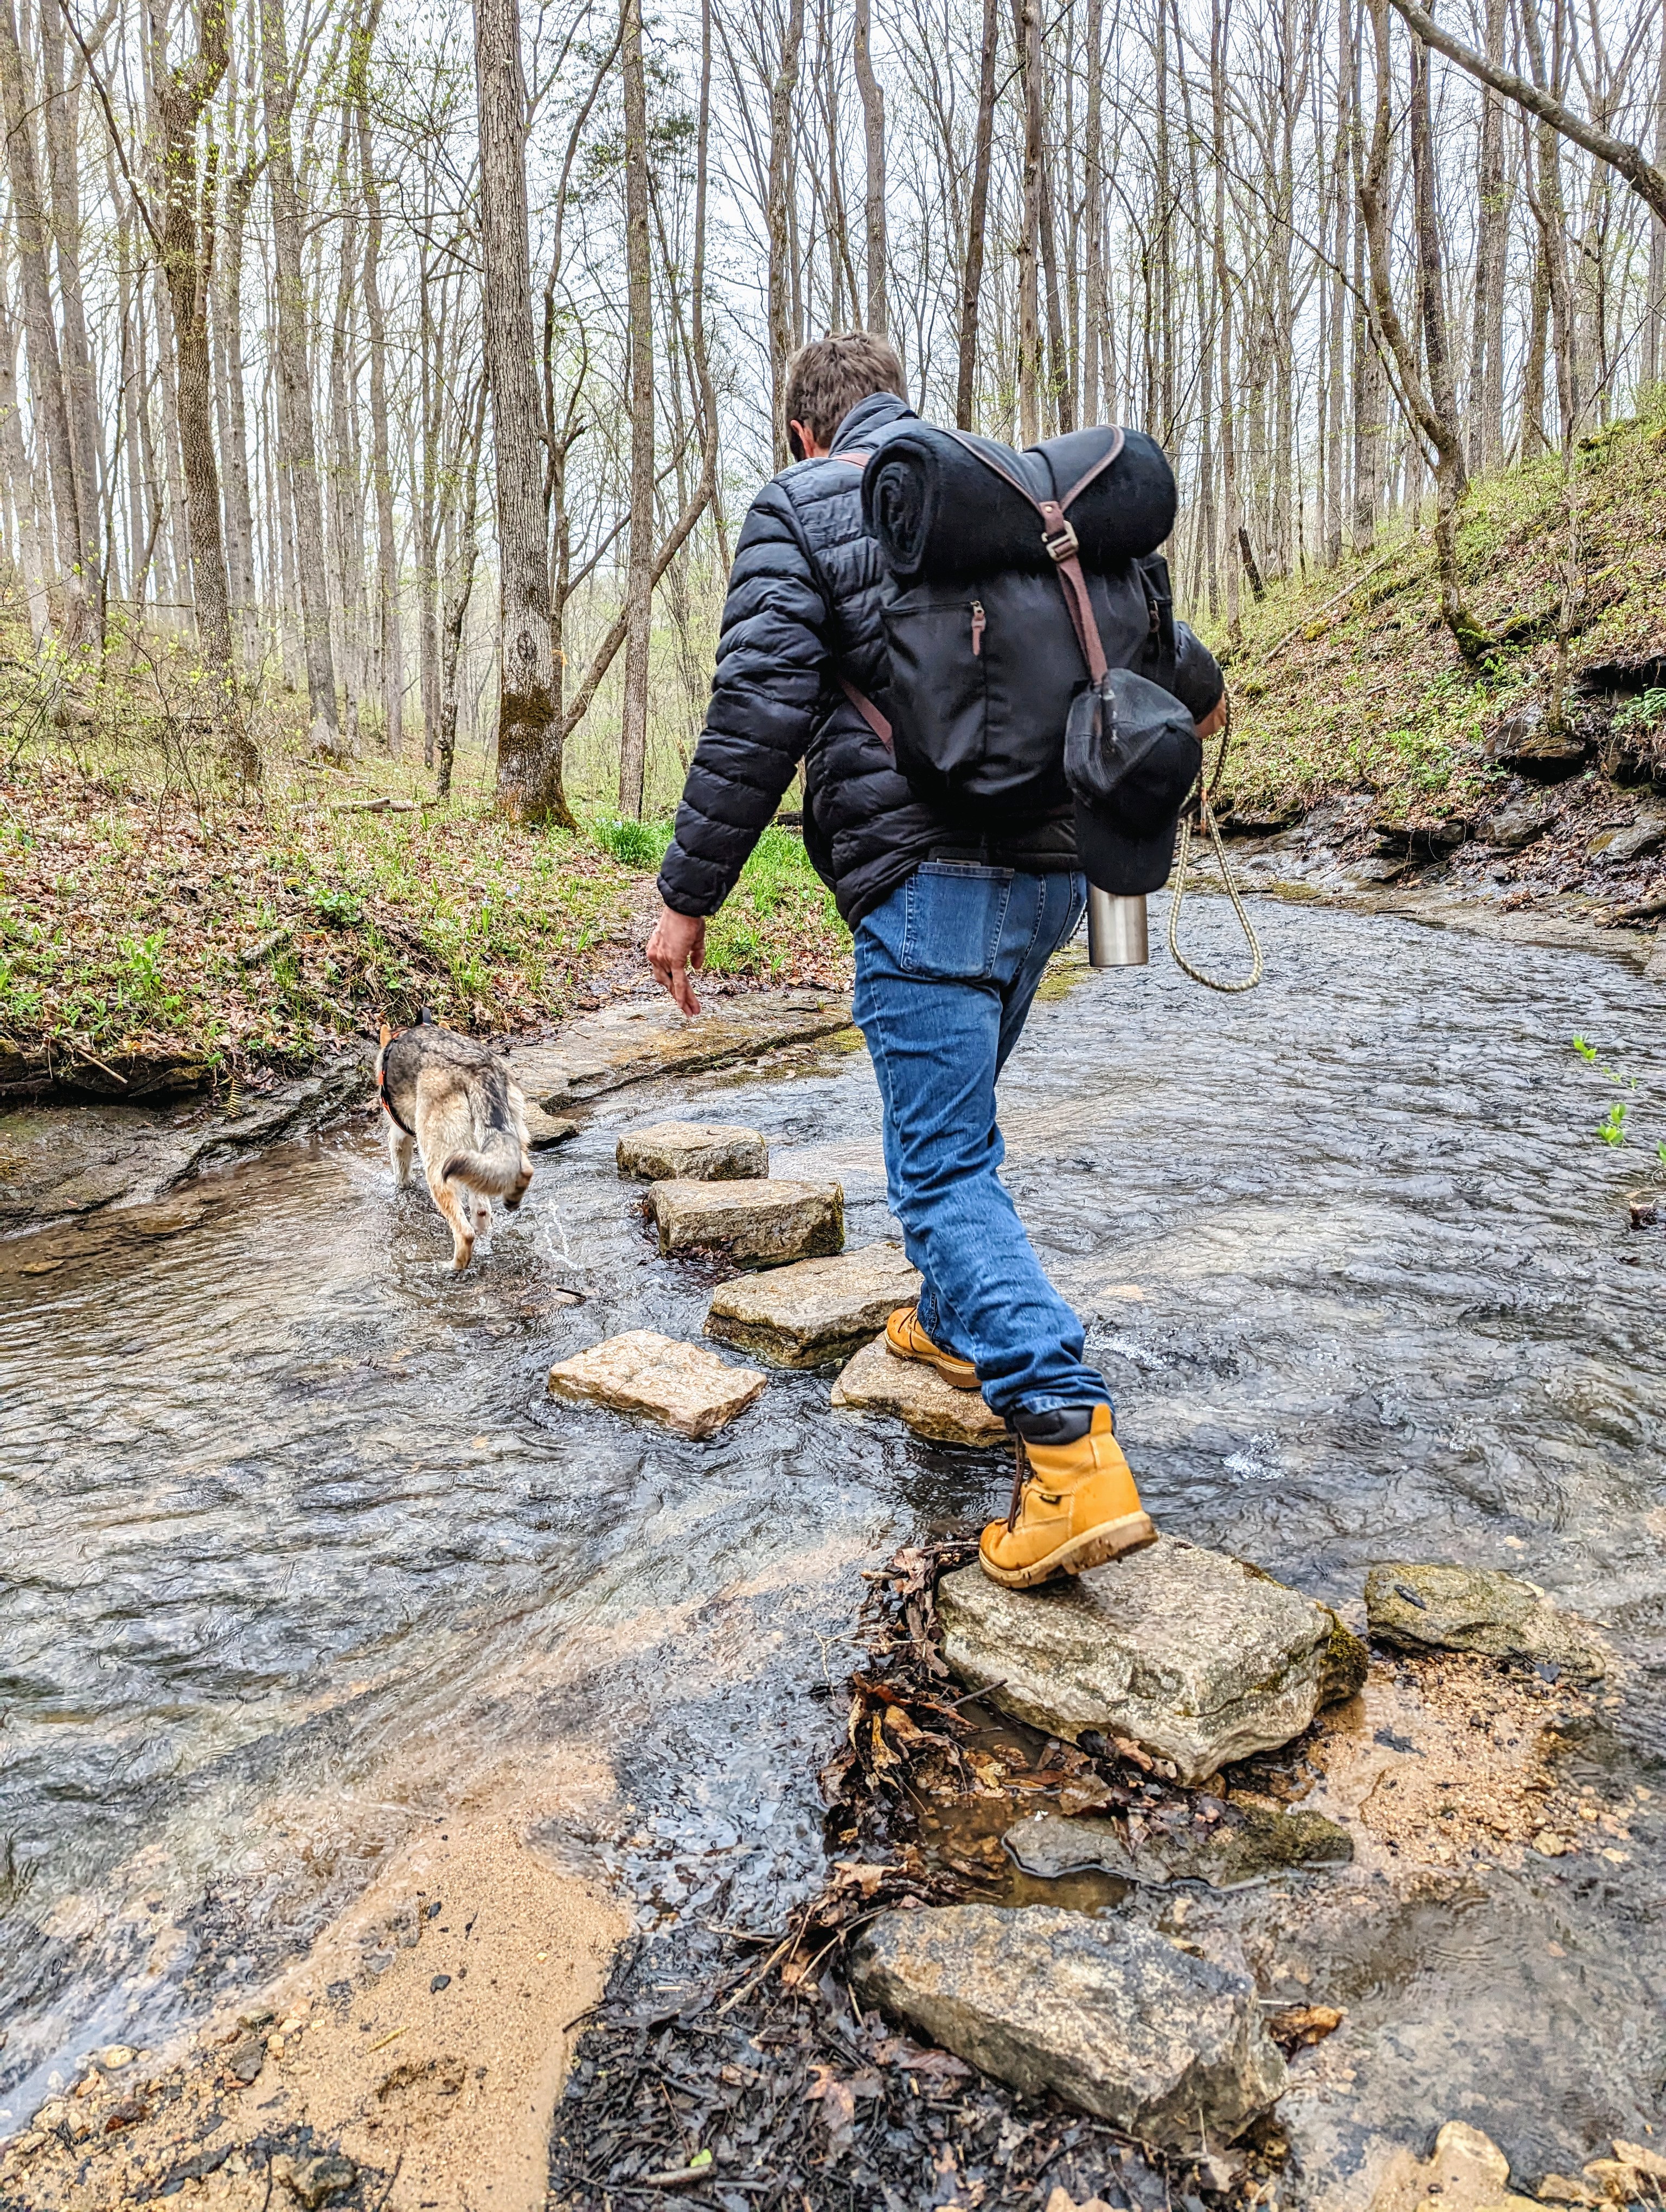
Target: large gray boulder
693,1151
762,1224
1110,2015
814,1310
1422,1607
1196,1658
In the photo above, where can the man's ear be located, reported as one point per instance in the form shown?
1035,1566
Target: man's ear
794,441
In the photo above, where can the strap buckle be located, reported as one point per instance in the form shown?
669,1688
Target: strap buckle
1062,543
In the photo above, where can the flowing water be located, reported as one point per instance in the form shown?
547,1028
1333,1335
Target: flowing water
298,1551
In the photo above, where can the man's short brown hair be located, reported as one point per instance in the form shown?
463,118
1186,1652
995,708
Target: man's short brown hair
827,377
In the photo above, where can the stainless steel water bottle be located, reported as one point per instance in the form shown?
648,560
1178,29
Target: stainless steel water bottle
1116,930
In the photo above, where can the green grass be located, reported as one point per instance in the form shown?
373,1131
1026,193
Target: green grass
779,919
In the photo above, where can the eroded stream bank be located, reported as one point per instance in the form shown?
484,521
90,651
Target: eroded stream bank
306,1565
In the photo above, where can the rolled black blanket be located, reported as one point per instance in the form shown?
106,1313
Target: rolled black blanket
941,515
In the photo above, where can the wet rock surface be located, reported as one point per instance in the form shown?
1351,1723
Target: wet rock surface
814,1310
760,1224
683,1386
60,1160
641,1038
1425,1607
1192,1656
1226,1852
1110,2016
692,1151
545,1130
906,1390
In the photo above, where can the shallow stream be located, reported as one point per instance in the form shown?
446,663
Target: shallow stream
298,1552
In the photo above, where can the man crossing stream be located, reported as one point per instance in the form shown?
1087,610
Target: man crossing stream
954,921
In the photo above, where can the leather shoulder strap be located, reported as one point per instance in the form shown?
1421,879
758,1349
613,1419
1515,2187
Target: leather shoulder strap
1059,537
869,713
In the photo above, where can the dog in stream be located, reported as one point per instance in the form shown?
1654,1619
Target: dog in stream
450,1099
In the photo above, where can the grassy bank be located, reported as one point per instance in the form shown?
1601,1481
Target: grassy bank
1347,680
154,924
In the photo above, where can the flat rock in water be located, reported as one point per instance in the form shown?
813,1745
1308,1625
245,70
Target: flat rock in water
693,1151
1110,2015
687,1388
876,1382
543,1130
759,1223
1194,1658
815,1309
1225,1854
644,1038
1421,1607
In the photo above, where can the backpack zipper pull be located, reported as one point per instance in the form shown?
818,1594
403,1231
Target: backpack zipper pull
979,621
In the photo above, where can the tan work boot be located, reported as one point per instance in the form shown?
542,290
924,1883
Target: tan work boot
906,1339
1078,1508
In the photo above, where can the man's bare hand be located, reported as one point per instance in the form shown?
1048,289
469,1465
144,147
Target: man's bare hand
1214,719
679,942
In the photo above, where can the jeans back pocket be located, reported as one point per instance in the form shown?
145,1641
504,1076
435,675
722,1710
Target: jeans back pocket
954,913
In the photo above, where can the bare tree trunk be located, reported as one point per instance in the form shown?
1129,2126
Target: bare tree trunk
1551,216
1220,15
80,391
21,478
1492,241
529,781
1425,414
1059,379
874,133
46,386
775,212
232,408
1029,256
456,598
1431,289
977,217
639,576
297,439
1654,329
1093,193
389,656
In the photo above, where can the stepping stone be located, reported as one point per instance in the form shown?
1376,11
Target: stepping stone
687,1388
1445,1608
693,1151
543,1130
815,1309
757,1224
1240,1847
1110,2015
1195,1658
876,1382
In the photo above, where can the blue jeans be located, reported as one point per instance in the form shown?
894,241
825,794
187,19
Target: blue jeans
946,972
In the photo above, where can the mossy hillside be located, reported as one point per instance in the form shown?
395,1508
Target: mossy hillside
1347,680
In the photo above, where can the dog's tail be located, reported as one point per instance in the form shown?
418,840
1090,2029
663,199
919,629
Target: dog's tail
495,1169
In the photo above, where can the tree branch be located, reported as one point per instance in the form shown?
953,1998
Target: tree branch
1647,182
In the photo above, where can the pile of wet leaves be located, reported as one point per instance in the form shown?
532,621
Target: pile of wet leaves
735,2068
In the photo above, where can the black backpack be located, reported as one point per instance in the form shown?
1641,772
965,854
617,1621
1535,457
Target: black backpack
986,659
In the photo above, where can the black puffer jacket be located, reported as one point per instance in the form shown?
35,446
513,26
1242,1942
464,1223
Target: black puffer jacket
803,609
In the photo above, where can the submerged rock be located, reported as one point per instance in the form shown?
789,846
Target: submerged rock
543,1130
693,1151
815,1309
684,1386
1193,1656
1420,1607
758,1224
1111,2016
875,1382
1223,1856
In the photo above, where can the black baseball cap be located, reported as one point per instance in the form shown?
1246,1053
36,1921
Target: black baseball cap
1131,756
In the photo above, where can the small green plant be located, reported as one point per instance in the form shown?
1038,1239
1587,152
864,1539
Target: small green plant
1615,1127
1645,711
634,844
341,909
